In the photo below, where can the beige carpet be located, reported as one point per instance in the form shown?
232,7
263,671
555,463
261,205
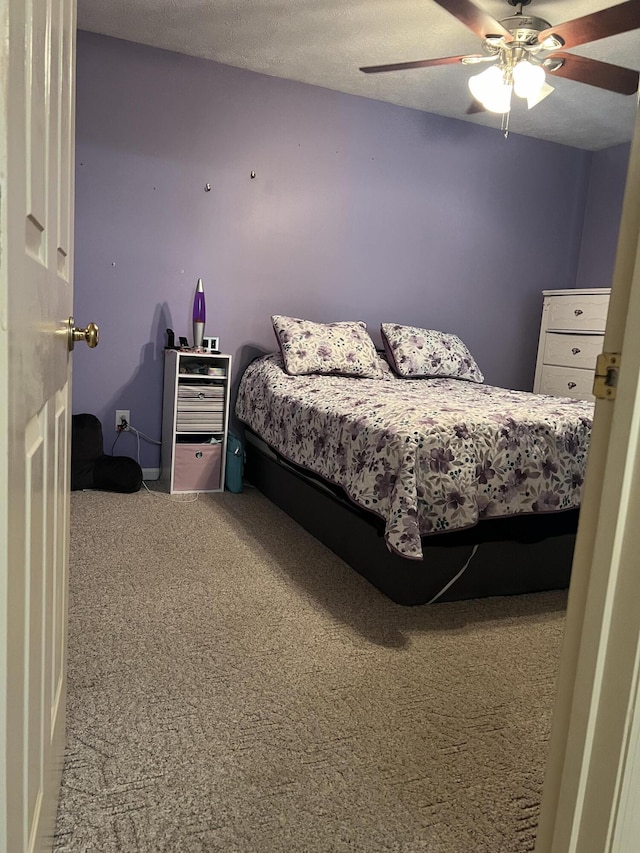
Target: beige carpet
234,687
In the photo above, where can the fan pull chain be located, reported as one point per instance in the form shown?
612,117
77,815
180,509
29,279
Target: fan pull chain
505,124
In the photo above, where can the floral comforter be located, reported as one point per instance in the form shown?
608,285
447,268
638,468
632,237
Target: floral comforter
428,455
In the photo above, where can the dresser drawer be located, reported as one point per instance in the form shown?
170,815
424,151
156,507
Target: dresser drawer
582,312
190,392
572,350
197,467
567,382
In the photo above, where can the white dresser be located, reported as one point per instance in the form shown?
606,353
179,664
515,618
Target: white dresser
571,336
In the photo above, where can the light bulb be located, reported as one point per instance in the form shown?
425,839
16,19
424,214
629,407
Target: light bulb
491,91
481,84
499,101
528,79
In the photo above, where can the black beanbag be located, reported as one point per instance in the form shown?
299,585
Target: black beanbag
91,468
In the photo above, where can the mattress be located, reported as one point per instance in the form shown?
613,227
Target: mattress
428,456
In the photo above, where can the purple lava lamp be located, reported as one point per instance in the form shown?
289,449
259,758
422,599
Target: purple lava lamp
199,315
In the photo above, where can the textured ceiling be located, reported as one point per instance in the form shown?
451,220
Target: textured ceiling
324,42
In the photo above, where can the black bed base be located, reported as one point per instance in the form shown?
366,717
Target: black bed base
514,556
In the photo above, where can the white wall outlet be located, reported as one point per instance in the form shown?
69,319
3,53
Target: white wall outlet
122,413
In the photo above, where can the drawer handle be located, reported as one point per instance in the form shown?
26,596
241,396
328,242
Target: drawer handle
571,384
578,312
575,350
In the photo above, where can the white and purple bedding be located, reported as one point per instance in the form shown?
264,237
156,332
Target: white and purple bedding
427,455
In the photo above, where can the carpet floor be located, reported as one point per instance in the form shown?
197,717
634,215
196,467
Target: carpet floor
233,686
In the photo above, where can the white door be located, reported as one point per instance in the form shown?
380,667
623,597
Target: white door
591,797
37,63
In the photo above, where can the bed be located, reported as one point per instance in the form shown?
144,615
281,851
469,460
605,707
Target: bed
432,488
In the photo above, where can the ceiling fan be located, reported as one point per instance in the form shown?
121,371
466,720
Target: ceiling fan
522,49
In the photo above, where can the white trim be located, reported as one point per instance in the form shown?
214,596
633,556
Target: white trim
627,830
590,291
593,772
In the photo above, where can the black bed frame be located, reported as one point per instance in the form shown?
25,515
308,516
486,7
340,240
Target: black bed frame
528,553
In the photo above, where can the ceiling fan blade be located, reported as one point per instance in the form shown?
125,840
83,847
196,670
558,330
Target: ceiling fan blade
594,73
598,25
482,23
419,63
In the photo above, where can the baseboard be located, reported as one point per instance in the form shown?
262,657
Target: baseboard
151,473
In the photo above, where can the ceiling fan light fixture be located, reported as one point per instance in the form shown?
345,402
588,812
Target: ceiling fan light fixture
499,101
528,79
519,44
491,90
540,95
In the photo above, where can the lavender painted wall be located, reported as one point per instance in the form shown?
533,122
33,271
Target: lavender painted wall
359,210
602,216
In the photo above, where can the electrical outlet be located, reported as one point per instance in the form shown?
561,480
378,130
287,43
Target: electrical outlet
122,413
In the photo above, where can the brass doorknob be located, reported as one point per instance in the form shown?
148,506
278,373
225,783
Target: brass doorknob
91,334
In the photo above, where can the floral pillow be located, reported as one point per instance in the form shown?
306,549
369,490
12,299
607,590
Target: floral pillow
343,348
414,353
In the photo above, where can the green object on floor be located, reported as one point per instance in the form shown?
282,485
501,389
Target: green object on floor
235,464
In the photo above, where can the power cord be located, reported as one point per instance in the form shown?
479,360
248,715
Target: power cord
116,440
455,577
125,426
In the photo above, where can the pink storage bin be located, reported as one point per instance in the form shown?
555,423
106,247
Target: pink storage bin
197,467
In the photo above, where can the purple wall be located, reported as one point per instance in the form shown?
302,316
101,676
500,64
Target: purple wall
602,216
359,210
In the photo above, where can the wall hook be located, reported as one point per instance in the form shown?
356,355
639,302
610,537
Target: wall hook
207,188
252,175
